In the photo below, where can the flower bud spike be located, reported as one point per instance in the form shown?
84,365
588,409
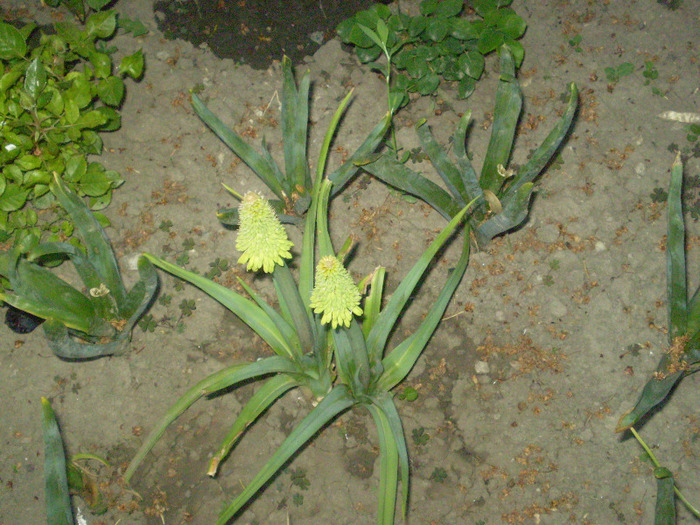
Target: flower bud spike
261,237
335,295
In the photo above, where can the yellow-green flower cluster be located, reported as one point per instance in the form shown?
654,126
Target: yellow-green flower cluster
261,237
334,296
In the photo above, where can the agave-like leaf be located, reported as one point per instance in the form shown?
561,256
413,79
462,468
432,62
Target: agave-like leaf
447,170
58,506
506,113
676,279
295,119
265,396
268,171
513,214
250,313
373,303
98,248
544,153
224,378
336,402
392,172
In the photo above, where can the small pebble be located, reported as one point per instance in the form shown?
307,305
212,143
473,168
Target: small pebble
482,367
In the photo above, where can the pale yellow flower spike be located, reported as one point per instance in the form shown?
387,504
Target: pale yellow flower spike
335,295
261,237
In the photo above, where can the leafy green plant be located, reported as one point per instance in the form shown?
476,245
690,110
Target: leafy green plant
683,356
439,44
614,74
80,8
78,325
292,187
502,193
56,492
320,345
55,97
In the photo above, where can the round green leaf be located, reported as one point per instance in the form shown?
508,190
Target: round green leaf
111,91
102,64
472,64
490,40
463,29
436,29
12,43
35,78
517,50
510,23
428,84
13,198
101,25
132,65
466,87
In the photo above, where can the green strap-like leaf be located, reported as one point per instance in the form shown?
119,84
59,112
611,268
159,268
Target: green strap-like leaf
265,396
227,377
388,467
447,170
468,174
544,153
344,173
514,212
295,118
653,393
58,507
351,360
98,248
250,313
336,402
285,328
376,341
262,167
676,282
506,114
398,363
392,172
63,343
665,508
293,308
394,457
373,301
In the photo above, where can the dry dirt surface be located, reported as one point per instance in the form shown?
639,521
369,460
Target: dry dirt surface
548,340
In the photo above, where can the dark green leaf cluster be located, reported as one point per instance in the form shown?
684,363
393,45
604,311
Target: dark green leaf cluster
439,44
56,96
502,194
78,324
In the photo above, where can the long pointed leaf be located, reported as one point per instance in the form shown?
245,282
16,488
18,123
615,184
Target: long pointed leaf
351,358
286,329
250,313
544,153
295,118
514,213
294,307
58,507
506,115
99,249
398,363
388,467
376,341
344,173
373,302
336,402
384,404
676,281
63,343
256,405
447,170
468,173
392,172
262,167
222,379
